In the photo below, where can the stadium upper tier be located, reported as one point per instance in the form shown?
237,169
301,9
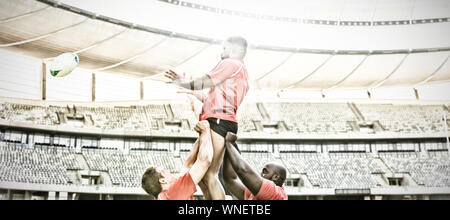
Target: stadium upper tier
321,54
64,166
258,119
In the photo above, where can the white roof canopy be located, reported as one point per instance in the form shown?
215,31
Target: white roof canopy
282,55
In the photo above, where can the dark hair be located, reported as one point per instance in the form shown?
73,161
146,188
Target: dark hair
237,40
150,182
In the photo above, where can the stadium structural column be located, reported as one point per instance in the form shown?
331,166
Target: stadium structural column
276,151
93,87
423,150
78,145
141,90
416,92
51,195
63,196
27,195
9,195
44,80
177,150
373,148
325,150
446,132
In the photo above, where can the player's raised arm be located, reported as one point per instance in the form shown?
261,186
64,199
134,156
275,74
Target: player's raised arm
248,176
199,95
191,158
232,182
205,152
201,83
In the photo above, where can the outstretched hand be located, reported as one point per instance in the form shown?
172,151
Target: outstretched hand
175,78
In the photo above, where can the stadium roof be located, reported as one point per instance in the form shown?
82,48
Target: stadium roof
326,46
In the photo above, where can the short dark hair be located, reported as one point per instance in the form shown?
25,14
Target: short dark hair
282,172
238,40
150,182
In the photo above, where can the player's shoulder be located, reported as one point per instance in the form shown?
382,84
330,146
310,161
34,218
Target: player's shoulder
186,175
273,188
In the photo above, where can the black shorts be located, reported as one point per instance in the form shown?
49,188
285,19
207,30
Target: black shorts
222,127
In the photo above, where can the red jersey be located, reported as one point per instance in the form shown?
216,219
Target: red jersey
182,189
230,80
268,191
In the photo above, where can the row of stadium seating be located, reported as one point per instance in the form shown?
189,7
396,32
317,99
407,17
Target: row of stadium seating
247,115
336,171
36,165
406,118
313,118
126,169
49,165
28,113
304,118
116,118
430,171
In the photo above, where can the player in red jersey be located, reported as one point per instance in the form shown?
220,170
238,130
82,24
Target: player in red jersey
253,186
228,85
164,186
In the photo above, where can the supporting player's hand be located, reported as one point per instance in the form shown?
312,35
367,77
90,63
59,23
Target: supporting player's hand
201,126
231,137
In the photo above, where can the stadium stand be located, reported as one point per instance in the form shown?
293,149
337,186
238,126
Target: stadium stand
337,171
29,114
426,171
247,115
155,112
50,158
350,170
130,118
184,112
406,118
127,169
258,160
313,117
299,118
36,165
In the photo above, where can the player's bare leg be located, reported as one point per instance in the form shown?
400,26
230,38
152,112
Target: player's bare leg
202,184
211,177
204,189
205,138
